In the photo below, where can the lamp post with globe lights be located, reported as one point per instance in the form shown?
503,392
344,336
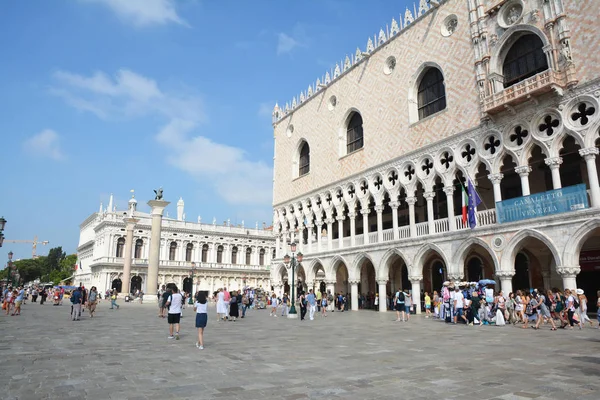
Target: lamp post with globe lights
291,262
14,274
193,272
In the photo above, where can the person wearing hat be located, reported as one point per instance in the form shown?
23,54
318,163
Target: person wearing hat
583,308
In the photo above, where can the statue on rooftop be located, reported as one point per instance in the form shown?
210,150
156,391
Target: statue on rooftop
159,194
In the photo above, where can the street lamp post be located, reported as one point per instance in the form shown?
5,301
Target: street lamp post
11,267
292,262
193,271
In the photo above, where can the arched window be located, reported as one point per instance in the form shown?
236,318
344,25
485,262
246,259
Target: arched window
354,133
248,256
120,247
172,251
234,252
432,93
138,248
304,163
205,253
220,254
188,252
525,59
261,257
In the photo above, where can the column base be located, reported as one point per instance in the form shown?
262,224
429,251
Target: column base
292,316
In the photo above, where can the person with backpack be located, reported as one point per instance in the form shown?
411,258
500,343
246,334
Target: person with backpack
531,308
399,303
572,305
545,307
174,303
76,300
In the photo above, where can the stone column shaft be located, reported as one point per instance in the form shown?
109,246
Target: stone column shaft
524,174
340,232
382,295
430,217
496,179
158,207
129,225
354,295
411,215
416,293
554,164
449,190
590,155
319,236
352,216
310,231
329,233
394,205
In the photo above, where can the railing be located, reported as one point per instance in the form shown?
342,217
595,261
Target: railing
388,234
347,242
441,225
520,91
359,240
181,264
404,232
372,237
423,229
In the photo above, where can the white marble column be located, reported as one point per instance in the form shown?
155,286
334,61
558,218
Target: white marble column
416,292
129,226
496,179
382,295
158,207
340,220
354,294
449,190
365,214
329,233
352,216
523,172
589,155
278,246
411,215
379,210
554,164
430,216
319,236
505,281
394,205
310,237
569,276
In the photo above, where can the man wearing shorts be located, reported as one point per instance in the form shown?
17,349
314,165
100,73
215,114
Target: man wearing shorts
459,304
174,302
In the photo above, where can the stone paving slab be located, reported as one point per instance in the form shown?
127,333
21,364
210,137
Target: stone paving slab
125,354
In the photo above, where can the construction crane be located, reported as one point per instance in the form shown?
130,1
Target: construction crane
34,243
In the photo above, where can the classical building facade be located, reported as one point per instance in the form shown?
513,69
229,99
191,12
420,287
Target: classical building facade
371,161
224,255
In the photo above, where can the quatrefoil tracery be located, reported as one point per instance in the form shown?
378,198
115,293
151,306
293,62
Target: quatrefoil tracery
446,159
583,113
548,125
410,171
492,144
393,177
519,135
427,166
468,153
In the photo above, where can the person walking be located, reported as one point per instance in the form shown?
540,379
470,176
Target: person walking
399,303
427,305
174,303
113,300
201,308
323,305
273,306
459,304
284,305
18,301
43,296
583,308
312,304
221,306
34,295
76,300
92,301
302,300
245,303
234,311
161,302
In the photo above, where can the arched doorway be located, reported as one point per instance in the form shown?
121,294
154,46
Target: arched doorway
474,270
528,271
341,279
188,285
589,262
398,275
117,284
136,284
368,284
434,271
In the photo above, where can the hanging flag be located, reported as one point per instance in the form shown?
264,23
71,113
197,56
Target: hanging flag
474,201
465,201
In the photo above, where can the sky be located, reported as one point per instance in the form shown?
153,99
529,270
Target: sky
109,96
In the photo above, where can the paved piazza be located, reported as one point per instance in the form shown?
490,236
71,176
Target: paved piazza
125,354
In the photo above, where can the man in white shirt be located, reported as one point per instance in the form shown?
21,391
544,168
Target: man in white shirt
459,304
174,303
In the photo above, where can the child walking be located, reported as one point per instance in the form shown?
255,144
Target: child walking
273,312
427,305
201,306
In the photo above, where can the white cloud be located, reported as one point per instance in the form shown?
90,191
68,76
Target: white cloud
44,144
265,109
144,12
286,43
236,178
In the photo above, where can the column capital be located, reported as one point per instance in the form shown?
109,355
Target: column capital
319,223
553,162
429,195
415,278
351,214
495,178
340,217
382,281
394,204
354,281
130,223
329,282
379,208
158,206
309,283
364,211
523,170
505,274
309,225
568,272
330,221
455,277
589,153
411,200
449,190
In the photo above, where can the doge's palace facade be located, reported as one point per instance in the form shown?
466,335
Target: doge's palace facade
225,255
371,161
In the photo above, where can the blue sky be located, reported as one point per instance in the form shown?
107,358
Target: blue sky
105,96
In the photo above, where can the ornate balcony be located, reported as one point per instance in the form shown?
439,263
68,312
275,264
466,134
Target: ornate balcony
523,91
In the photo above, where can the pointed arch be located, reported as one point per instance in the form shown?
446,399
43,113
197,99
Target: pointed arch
384,269
576,241
461,253
312,267
513,246
417,266
510,37
354,268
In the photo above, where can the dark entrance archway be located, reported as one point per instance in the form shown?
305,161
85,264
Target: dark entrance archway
117,284
136,284
368,284
589,276
188,285
474,270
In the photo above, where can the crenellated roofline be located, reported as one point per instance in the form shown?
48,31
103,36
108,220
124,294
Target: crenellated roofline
351,61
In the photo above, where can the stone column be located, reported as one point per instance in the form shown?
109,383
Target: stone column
523,172
546,278
496,179
430,217
310,231
382,295
365,214
319,236
449,190
416,292
329,233
379,210
554,164
330,286
352,216
340,220
129,225
505,281
354,294
411,215
569,275
589,155
292,235
158,207
394,205
278,246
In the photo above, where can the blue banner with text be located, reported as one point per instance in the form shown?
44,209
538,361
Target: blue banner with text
570,198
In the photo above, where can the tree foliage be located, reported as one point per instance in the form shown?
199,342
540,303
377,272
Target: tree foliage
54,267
